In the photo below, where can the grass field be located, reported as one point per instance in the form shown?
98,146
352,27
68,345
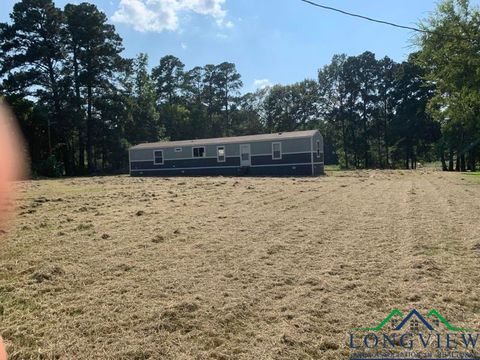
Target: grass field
233,268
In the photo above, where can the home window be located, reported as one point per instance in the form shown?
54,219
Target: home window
198,152
276,151
178,149
221,153
158,157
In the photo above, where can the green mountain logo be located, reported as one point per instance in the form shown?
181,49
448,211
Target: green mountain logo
384,321
432,314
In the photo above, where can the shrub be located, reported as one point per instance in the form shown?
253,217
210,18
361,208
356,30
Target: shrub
50,167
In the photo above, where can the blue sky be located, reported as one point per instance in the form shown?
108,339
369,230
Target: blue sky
270,41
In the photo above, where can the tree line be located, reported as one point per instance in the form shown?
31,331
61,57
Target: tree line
81,104
375,111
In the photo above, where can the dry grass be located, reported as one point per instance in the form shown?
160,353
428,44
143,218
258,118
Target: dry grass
233,268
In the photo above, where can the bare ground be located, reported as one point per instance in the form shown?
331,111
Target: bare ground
233,268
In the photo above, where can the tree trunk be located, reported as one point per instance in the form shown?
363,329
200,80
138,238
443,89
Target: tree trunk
59,120
354,141
387,155
462,163
81,154
227,127
90,157
104,154
450,160
344,139
471,161
379,147
365,130
80,126
71,154
444,163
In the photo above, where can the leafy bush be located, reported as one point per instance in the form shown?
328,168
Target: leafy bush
50,167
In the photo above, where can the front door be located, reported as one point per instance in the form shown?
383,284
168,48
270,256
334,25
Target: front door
245,155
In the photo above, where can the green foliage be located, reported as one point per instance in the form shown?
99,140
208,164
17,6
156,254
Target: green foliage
375,111
143,122
32,56
66,61
291,107
449,53
50,167
168,76
179,121
93,61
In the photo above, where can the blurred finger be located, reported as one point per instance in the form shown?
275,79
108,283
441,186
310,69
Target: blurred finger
11,160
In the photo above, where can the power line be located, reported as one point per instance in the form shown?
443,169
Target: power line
377,20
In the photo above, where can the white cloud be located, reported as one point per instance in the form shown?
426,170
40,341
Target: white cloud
223,23
184,46
221,36
145,17
205,7
261,83
161,15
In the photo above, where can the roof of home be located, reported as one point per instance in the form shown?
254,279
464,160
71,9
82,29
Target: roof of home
229,140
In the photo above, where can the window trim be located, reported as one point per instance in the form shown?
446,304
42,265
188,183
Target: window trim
280,149
224,153
178,149
199,147
155,157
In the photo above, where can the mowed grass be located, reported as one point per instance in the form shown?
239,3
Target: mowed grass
329,168
233,268
473,177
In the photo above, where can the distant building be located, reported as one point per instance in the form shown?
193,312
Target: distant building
280,154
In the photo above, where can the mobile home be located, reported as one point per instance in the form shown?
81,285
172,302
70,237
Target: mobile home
288,154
